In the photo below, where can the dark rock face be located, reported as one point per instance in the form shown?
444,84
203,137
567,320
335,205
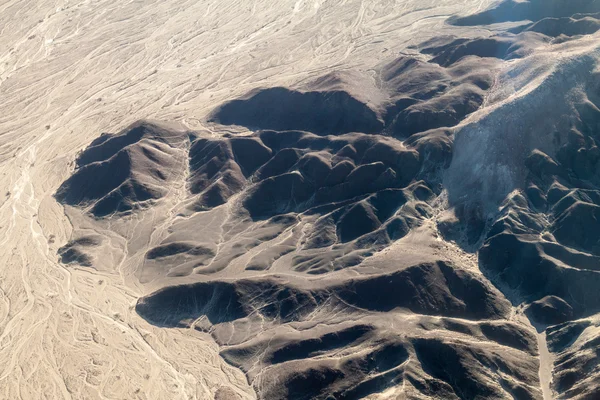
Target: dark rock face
579,227
296,364
74,252
457,294
323,113
427,289
532,10
457,365
550,310
318,243
214,173
576,346
427,96
569,26
423,96
123,172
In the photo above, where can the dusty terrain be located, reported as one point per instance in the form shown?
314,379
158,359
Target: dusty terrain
383,199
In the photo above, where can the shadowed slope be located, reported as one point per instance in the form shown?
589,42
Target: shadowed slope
324,113
120,173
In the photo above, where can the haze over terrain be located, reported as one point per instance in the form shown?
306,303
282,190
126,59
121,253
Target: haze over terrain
300,199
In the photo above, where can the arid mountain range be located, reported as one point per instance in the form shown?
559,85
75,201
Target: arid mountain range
382,200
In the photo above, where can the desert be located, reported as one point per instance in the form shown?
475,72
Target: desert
300,199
